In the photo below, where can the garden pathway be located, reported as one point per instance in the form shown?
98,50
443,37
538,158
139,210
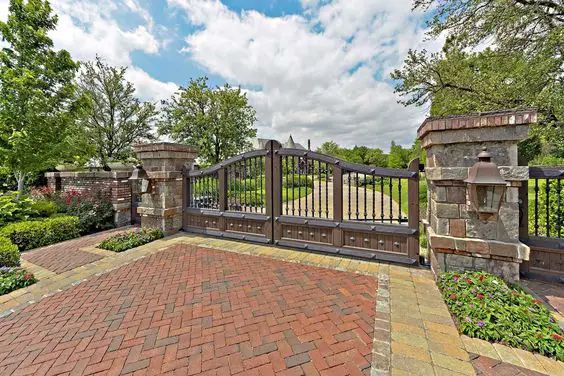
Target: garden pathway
373,202
67,255
190,304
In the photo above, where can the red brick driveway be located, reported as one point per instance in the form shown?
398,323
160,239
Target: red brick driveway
188,310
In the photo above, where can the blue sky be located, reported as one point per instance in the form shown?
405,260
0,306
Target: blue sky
316,69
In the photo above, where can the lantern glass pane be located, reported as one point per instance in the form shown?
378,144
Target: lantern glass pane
486,197
144,186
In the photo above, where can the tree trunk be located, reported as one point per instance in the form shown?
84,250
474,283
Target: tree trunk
20,178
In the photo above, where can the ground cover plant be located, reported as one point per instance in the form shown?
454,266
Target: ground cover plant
132,239
14,278
486,307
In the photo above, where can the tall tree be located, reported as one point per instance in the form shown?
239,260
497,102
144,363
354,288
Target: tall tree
522,68
113,118
37,94
329,148
217,120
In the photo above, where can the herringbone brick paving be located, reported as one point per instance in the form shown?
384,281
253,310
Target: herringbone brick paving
67,255
189,310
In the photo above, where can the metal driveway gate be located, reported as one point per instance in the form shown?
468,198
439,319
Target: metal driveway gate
306,200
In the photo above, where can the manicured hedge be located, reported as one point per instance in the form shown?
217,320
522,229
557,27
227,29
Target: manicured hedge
486,307
33,234
123,242
13,279
9,253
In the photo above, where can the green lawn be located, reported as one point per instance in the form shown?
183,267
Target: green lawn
404,189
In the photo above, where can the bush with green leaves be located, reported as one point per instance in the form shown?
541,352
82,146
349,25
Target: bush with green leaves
297,181
94,209
14,208
38,233
9,253
486,307
132,239
45,208
13,279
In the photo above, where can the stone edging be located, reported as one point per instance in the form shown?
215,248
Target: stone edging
517,357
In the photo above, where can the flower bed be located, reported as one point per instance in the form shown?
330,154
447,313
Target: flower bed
485,307
14,278
123,242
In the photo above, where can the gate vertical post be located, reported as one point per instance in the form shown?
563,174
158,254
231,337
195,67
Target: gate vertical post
222,193
276,197
273,193
337,204
413,210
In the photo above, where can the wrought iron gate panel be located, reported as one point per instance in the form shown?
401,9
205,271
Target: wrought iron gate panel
307,200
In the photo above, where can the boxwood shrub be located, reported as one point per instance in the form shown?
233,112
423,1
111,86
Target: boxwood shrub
486,307
123,242
9,253
33,234
13,279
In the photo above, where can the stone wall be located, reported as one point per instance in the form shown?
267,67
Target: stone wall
114,184
458,238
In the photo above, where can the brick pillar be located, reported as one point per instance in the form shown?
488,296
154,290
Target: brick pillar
163,206
458,238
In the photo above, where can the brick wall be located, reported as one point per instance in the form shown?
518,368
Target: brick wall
114,184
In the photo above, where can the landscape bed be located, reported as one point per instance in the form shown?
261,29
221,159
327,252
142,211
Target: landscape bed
132,239
486,307
14,278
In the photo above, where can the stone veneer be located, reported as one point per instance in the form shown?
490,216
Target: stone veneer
114,184
458,239
164,162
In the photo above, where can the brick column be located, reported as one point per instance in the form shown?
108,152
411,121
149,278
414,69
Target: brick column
458,238
164,162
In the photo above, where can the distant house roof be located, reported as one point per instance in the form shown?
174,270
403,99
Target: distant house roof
260,143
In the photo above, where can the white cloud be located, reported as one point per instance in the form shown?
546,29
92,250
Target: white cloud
314,75
148,88
88,28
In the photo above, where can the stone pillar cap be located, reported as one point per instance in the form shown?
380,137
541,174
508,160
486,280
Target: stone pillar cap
164,146
478,120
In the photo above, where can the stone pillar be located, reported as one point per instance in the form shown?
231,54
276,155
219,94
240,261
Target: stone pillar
164,162
458,239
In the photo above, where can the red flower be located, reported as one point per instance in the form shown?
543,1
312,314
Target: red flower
481,278
28,276
557,337
452,296
480,296
469,281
